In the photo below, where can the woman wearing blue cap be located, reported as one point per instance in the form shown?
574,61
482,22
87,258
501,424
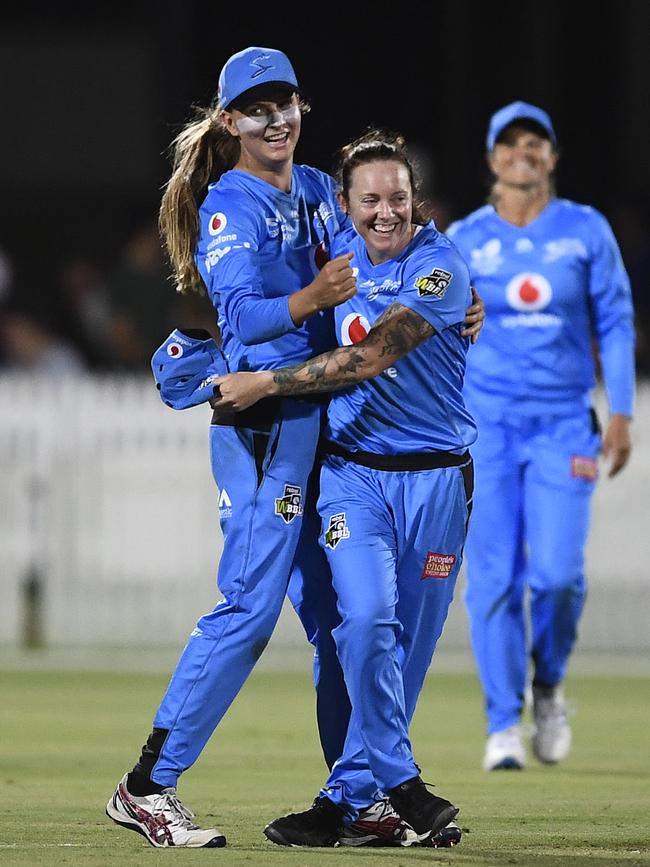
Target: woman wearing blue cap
236,217
242,220
554,285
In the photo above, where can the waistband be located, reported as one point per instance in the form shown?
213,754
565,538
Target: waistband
261,415
407,462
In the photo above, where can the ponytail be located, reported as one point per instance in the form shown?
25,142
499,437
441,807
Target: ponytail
202,152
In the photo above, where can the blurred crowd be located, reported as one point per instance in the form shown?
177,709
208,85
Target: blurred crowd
95,317
110,317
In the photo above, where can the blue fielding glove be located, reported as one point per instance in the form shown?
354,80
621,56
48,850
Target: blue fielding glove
184,367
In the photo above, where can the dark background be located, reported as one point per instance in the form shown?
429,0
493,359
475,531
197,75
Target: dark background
91,95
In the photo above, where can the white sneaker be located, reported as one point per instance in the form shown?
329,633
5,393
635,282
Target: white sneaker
378,825
381,825
504,750
552,737
161,818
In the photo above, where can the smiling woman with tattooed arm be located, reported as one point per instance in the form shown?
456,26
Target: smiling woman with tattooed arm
395,488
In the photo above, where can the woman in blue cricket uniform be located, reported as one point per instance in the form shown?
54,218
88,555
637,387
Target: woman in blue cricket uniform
396,485
553,281
237,218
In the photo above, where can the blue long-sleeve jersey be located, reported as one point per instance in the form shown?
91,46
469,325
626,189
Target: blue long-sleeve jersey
550,288
257,246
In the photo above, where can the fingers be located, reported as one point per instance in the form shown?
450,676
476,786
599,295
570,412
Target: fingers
340,263
619,458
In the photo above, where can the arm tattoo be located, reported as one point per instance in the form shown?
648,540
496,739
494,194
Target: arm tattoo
397,331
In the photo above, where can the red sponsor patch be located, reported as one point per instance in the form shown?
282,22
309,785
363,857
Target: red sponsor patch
584,468
438,565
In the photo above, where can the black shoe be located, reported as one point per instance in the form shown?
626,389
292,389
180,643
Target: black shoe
320,825
424,812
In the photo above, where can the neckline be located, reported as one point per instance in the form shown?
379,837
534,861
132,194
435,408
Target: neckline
275,189
528,227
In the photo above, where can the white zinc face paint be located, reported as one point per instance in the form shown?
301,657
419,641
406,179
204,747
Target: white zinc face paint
258,123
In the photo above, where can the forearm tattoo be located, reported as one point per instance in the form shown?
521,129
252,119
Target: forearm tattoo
397,331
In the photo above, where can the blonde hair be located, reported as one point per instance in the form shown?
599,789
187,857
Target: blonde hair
202,152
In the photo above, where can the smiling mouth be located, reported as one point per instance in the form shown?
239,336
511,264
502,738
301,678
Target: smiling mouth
279,138
384,230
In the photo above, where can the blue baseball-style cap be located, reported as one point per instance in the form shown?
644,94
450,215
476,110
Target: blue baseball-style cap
250,68
517,111
184,367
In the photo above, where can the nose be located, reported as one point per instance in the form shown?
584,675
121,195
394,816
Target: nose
275,118
384,210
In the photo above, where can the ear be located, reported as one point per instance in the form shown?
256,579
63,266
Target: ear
229,123
489,159
342,202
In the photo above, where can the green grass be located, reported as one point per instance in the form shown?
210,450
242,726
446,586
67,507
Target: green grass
67,737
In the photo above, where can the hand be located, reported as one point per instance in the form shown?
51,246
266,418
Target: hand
335,283
474,317
617,443
237,391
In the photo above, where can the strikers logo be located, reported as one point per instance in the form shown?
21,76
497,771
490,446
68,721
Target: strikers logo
336,531
438,565
435,283
289,506
354,328
528,292
217,224
174,350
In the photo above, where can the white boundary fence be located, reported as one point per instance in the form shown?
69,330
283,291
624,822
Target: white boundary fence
109,509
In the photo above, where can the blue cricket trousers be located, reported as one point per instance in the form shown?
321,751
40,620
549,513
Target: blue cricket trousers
394,541
269,537
534,481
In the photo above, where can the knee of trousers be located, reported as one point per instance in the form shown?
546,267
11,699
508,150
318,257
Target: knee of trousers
557,582
363,633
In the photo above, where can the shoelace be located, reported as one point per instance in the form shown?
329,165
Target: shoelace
168,801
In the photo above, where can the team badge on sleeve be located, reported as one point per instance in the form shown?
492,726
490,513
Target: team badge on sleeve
438,565
289,506
435,283
337,530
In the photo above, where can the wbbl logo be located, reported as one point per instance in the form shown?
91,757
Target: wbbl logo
289,506
336,531
435,283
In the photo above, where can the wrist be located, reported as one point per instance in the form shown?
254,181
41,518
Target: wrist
269,384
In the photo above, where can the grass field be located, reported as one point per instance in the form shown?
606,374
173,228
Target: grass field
67,737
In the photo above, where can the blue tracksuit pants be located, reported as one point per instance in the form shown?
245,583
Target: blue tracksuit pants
394,541
269,527
534,482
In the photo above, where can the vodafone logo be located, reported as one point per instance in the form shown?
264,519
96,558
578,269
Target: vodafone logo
217,224
354,328
528,292
174,350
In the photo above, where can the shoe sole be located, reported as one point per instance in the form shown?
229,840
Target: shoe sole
507,764
372,841
447,839
216,842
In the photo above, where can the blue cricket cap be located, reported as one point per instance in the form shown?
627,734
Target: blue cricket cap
250,68
517,111
184,365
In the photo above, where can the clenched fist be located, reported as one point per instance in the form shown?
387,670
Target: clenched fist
335,283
